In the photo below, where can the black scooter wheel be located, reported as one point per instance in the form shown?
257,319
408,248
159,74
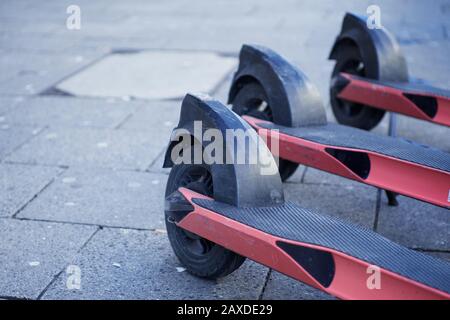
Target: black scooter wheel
251,100
349,60
200,256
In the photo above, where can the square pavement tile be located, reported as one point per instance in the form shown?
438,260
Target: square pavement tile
31,73
157,165
150,74
103,197
13,136
20,183
428,61
71,112
32,253
281,287
415,224
156,117
90,148
356,204
130,264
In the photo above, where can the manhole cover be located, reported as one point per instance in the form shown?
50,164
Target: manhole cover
150,74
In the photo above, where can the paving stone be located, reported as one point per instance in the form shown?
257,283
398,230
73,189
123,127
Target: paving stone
90,148
19,184
31,73
103,197
42,42
315,176
72,112
11,24
111,43
12,136
8,103
150,74
221,92
32,253
282,287
415,224
158,118
130,264
157,165
353,203
428,61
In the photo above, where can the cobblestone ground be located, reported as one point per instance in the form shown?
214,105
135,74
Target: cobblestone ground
81,184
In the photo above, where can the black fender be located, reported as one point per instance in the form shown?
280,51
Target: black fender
293,99
379,49
241,185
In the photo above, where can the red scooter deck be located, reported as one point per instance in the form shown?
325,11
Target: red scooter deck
389,163
321,251
414,100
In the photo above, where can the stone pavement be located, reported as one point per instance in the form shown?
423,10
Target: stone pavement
82,137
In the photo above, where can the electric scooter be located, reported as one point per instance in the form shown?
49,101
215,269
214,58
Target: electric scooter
219,214
274,96
370,77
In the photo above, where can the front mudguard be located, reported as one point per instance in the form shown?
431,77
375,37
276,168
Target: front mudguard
241,185
293,99
381,54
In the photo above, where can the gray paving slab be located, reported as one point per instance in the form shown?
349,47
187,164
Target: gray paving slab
13,136
424,132
11,24
298,175
31,73
129,264
102,197
20,183
8,103
415,224
315,176
150,74
356,204
38,42
221,92
157,165
90,148
107,44
57,111
33,253
428,61
282,287
158,118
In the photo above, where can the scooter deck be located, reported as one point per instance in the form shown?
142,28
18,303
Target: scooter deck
415,100
389,163
322,251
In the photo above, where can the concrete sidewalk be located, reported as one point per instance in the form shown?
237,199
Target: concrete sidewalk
85,116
